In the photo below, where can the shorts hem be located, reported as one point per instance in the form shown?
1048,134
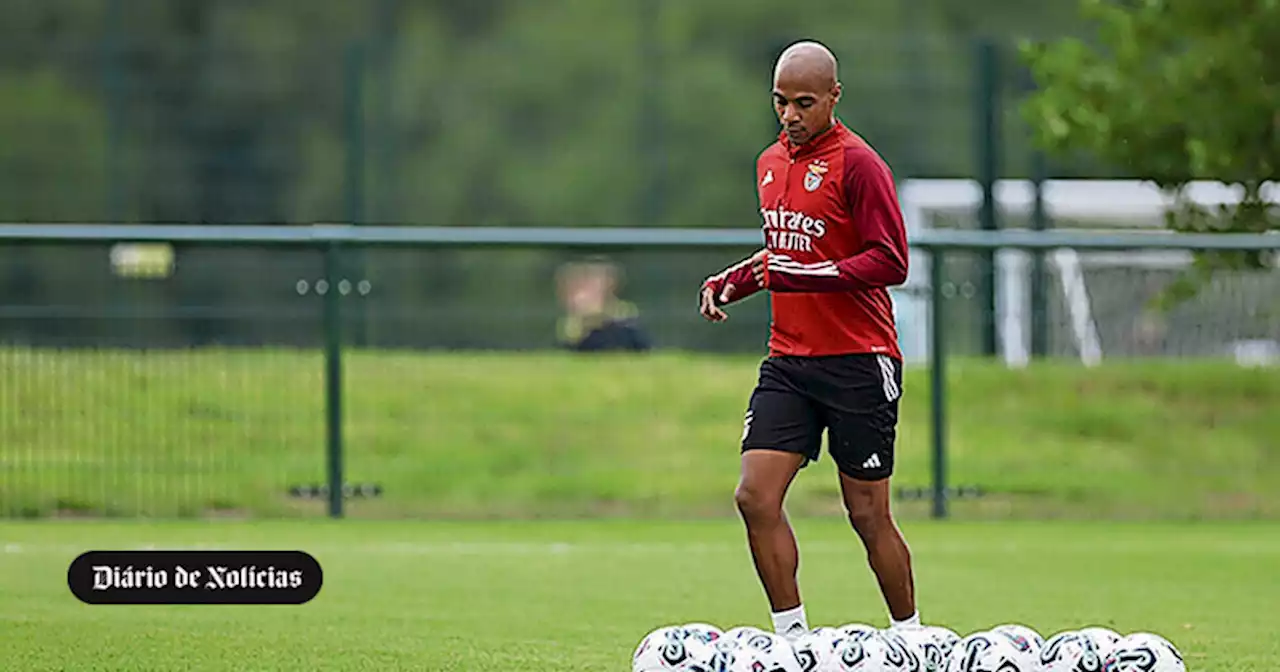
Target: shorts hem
866,476
809,456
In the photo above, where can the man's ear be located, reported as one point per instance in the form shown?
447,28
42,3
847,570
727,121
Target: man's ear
835,92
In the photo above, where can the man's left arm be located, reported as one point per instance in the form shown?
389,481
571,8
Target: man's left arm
882,261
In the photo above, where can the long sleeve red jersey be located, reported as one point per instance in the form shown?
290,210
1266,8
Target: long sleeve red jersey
834,243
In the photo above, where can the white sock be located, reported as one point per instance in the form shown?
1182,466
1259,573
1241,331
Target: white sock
790,623
912,621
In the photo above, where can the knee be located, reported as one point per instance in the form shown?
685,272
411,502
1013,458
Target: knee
756,506
870,523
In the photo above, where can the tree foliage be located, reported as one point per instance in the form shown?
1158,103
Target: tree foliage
565,112
1171,91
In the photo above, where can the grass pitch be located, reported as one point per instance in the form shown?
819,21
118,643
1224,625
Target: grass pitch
226,432
536,596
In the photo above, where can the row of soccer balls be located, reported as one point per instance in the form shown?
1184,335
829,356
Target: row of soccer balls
700,647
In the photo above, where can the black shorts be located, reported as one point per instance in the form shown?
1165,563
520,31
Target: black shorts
854,398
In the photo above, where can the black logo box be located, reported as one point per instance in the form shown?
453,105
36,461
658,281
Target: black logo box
195,577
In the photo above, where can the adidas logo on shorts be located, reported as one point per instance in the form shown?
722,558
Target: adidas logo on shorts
872,462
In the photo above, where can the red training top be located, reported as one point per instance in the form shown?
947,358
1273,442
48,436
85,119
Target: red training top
834,241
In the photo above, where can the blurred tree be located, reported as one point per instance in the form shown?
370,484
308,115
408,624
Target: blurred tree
53,155
560,112
53,162
1172,91
999,18
489,111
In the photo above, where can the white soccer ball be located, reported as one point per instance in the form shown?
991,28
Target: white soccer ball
1104,638
764,641
1028,642
933,658
902,649
859,630
987,652
881,652
945,637
1144,652
760,652
740,632
704,631
825,631
667,649
1070,651
1023,637
714,656
816,649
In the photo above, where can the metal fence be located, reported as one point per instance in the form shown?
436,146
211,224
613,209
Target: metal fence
127,397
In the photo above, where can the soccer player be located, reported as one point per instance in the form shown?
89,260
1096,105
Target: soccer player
834,243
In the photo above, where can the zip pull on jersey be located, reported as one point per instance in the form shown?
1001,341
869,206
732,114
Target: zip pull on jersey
835,242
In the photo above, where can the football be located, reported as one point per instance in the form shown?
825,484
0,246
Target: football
858,630
932,655
665,649
1103,638
1070,651
815,650
1143,652
857,647
880,652
1028,642
758,652
740,632
825,631
1023,637
704,631
763,641
946,638
988,652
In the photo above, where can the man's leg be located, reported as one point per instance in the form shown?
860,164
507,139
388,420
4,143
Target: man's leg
867,503
766,476
861,412
782,431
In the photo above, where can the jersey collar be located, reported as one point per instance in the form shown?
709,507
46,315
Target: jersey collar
828,137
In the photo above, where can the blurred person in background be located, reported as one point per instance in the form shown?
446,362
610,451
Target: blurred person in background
595,319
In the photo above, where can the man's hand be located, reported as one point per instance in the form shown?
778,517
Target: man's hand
733,284
707,304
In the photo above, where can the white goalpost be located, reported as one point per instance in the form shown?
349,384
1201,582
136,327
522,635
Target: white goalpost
1080,205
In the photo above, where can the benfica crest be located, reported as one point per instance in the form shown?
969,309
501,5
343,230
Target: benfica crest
813,176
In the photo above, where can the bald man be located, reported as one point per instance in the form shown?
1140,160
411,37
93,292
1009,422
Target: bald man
834,244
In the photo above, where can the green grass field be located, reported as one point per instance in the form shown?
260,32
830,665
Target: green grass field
536,596
225,432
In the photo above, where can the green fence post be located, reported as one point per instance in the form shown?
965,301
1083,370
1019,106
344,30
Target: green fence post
1039,284
987,100
333,375
937,374
355,168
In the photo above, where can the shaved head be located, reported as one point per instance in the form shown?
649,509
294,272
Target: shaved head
806,88
807,63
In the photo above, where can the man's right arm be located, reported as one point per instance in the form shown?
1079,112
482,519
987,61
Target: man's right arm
733,284
738,276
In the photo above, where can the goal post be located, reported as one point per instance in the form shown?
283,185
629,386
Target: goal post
1098,298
